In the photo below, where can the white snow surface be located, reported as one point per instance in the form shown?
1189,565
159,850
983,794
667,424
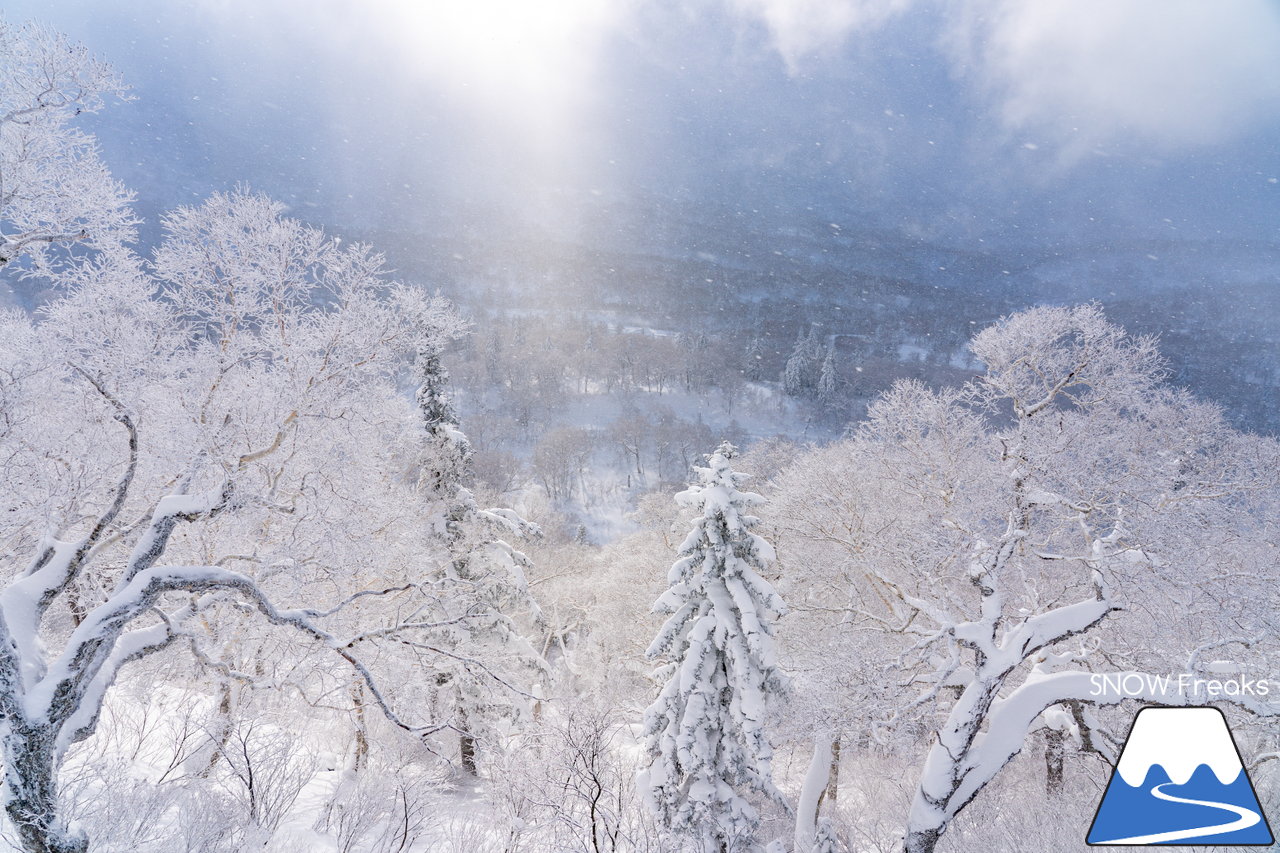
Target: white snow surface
1179,740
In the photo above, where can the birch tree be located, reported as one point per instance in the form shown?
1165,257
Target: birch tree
170,462
1003,540
705,736
54,189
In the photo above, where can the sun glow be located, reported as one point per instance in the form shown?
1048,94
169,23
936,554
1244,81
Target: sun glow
535,63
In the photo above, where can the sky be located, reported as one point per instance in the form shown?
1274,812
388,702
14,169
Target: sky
992,122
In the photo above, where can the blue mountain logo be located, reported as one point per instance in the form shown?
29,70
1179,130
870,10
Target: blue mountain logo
1180,781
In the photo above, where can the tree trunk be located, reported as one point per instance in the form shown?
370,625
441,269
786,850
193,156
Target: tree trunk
932,808
833,785
921,841
1054,751
816,780
467,753
223,729
361,759
466,745
32,781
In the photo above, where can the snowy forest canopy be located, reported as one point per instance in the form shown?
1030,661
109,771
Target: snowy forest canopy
302,557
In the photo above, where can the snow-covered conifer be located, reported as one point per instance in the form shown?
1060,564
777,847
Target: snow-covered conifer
705,735
827,840
827,382
483,676
445,457
801,374
753,360
795,372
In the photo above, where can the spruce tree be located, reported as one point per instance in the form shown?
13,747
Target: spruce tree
483,589
801,375
795,374
705,735
827,383
753,360
447,452
827,841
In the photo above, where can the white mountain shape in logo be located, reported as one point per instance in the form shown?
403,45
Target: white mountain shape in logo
1179,740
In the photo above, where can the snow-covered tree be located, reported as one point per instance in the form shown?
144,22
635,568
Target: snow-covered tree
705,736
753,360
446,458
827,841
828,383
54,189
481,597
212,446
800,374
977,532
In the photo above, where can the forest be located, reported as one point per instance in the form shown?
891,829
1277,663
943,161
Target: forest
302,555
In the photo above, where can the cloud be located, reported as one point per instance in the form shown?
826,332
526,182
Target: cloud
1168,72
1086,72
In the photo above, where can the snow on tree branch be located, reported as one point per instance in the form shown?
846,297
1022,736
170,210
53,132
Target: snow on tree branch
53,188
705,736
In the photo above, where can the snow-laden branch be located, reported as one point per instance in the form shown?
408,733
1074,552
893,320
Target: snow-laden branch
1037,632
12,245
58,563
264,452
168,512
131,646
354,597
1011,716
70,694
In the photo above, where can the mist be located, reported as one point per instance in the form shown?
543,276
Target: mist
993,121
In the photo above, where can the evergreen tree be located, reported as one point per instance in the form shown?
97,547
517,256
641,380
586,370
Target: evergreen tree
813,345
827,382
795,372
827,841
705,735
447,452
801,374
753,360
483,589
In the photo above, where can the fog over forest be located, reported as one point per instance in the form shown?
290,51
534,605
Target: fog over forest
630,425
